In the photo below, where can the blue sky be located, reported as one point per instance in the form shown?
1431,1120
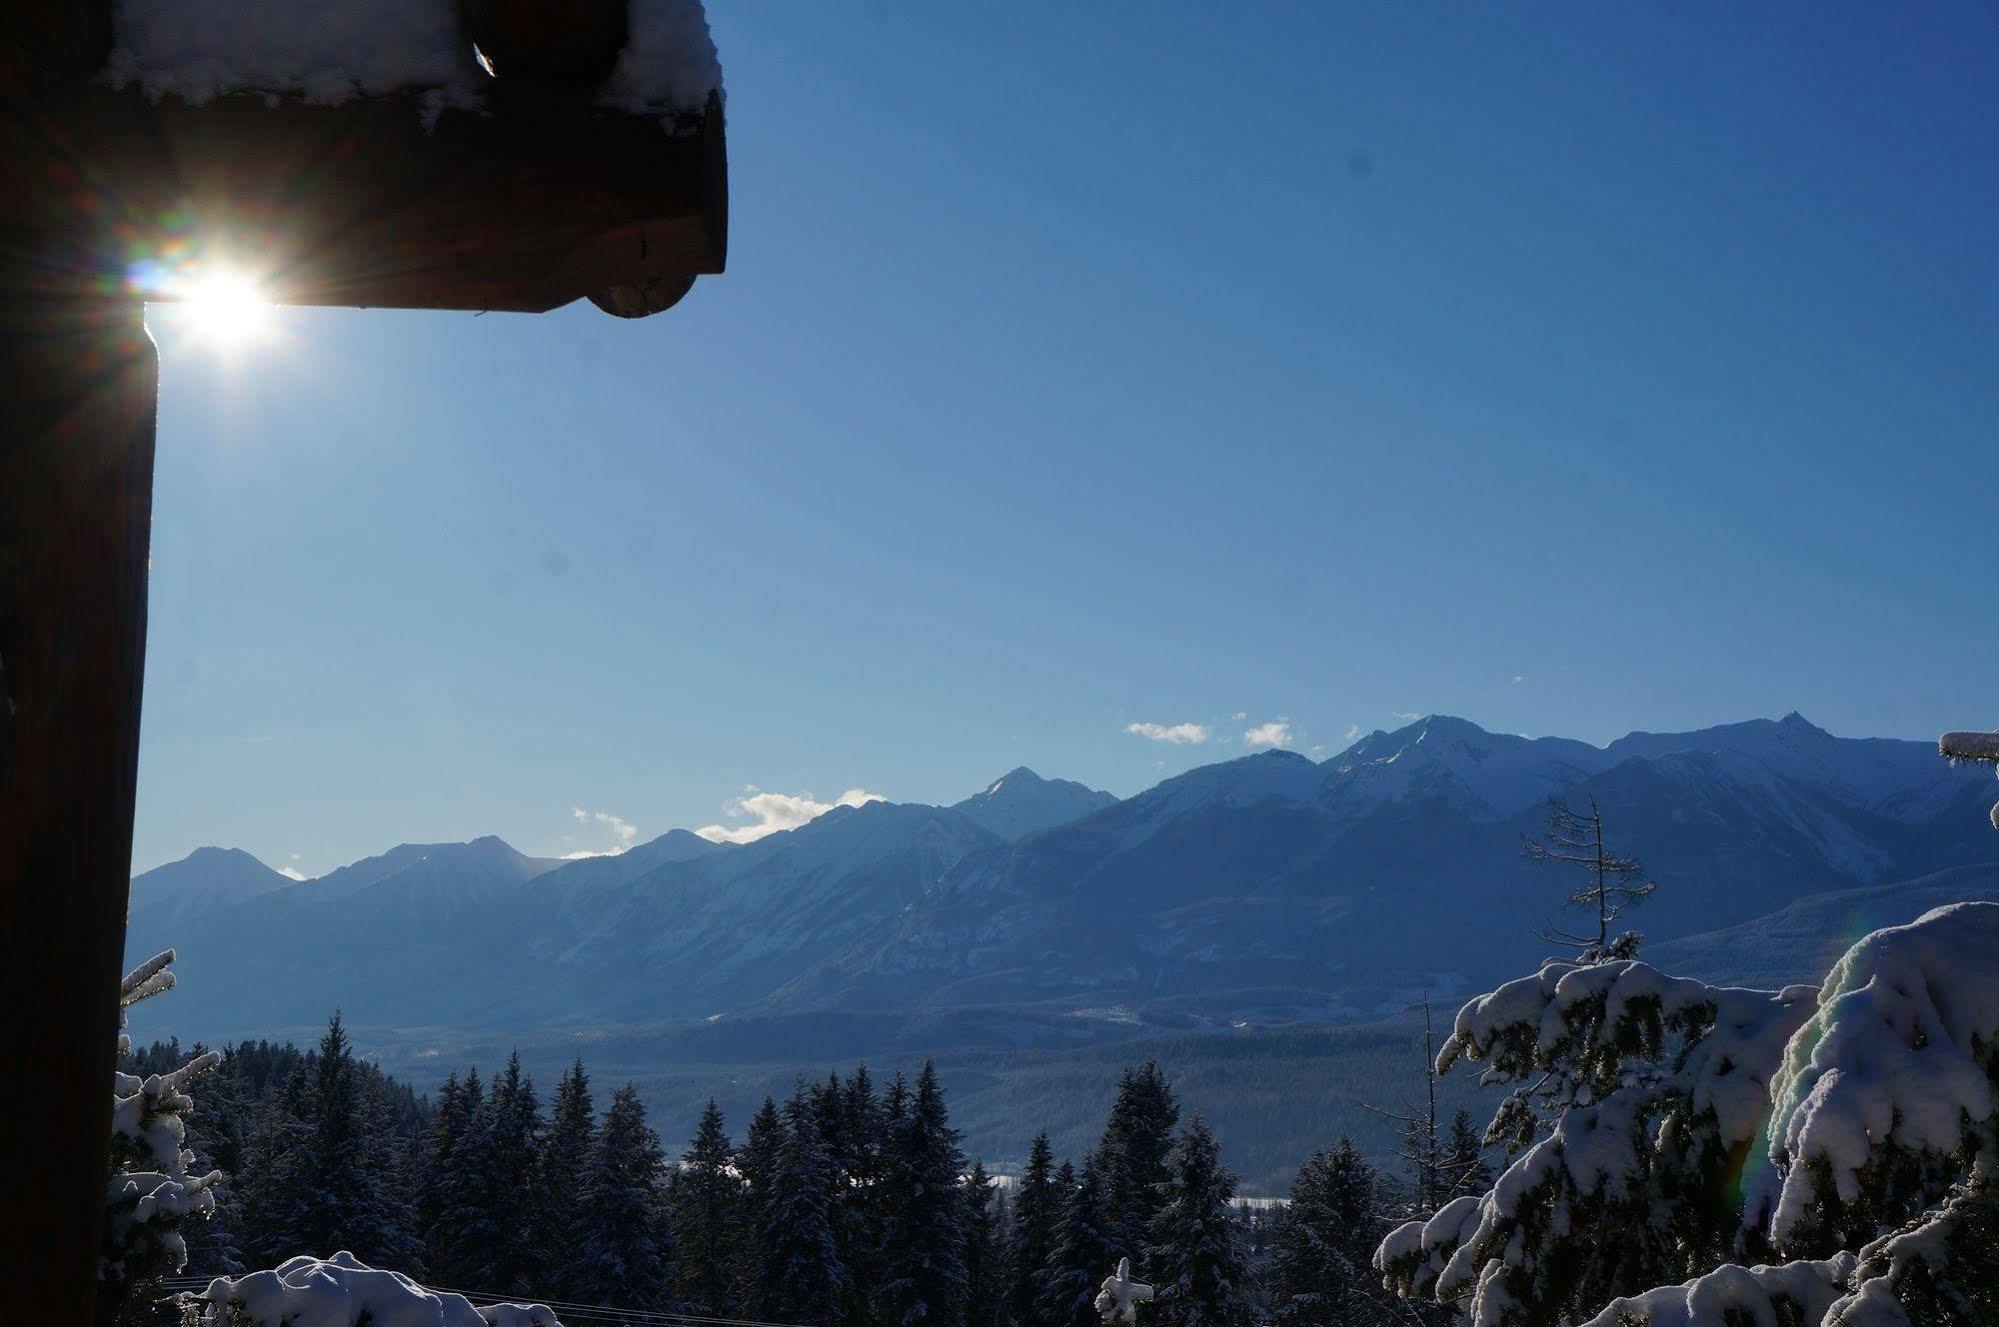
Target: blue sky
1086,365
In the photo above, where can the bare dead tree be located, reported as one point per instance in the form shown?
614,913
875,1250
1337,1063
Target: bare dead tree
1613,883
1421,1148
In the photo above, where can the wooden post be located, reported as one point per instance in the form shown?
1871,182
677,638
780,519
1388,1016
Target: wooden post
539,198
78,382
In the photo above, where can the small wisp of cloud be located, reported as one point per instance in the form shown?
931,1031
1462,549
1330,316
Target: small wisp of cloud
768,813
1178,734
1273,735
623,831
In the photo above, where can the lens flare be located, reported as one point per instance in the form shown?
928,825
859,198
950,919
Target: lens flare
226,307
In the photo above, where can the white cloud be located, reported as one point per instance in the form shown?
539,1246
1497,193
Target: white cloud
769,813
1407,716
622,830
1240,715
293,872
1518,678
1353,731
1276,733
1179,734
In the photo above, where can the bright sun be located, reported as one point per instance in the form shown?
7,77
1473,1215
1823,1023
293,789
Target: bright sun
226,308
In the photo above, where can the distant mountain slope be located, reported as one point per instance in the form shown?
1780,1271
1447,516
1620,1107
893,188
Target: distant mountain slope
1801,941
1263,890
205,880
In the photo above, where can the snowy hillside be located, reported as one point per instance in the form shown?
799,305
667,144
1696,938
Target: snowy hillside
1798,943
1262,891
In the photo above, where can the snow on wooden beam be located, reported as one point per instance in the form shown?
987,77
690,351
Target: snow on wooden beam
388,177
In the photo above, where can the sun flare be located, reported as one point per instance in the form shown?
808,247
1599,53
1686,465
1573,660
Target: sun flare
226,308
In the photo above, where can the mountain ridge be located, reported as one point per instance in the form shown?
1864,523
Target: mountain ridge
1268,888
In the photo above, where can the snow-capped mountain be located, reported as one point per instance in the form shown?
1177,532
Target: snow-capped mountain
1267,888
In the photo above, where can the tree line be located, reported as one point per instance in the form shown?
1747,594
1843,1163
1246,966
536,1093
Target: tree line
849,1204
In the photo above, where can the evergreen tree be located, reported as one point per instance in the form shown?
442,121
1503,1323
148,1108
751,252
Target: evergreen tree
625,1249
447,1124
851,1210
801,1278
859,1234
278,1163
1198,1272
1036,1212
756,1162
520,1191
332,1177
1464,1167
923,1268
565,1164
1084,1252
984,1251
1132,1159
708,1221
472,1229
1324,1244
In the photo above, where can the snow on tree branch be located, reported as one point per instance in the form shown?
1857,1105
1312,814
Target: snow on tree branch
1884,1116
1657,1086
1888,1091
150,1193
1971,746
343,1291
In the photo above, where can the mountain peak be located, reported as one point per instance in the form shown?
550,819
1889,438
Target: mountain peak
1021,802
1018,776
206,878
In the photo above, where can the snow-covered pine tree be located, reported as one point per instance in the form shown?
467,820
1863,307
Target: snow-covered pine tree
756,1162
328,1172
432,1200
707,1216
1324,1244
851,1209
985,1251
521,1194
1083,1248
802,1279
923,1268
471,1232
1037,1209
156,1193
1612,882
1880,1205
625,1250
1132,1158
1866,1115
858,1234
277,1171
565,1158
1198,1273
